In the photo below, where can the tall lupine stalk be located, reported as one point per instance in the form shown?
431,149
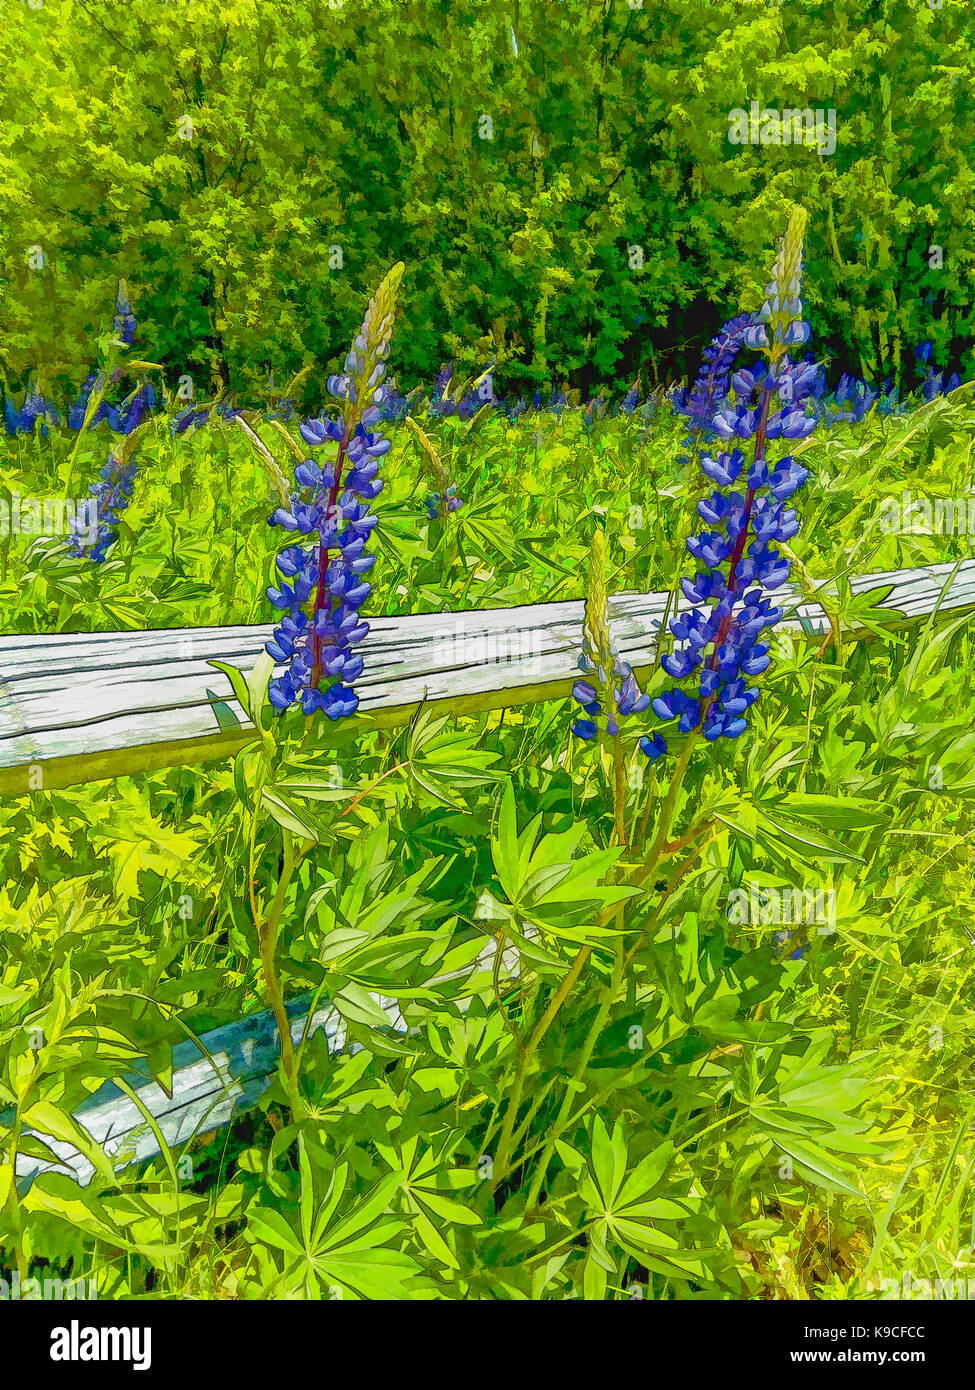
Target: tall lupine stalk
610,687
721,643
720,647
87,410
445,499
331,502
705,398
714,379
111,494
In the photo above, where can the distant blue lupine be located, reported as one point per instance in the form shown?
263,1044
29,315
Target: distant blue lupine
439,503
440,402
851,402
713,381
594,410
395,406
720,644
186,420
609,687
631,400
323,626
125,325
112,494
191,417
79,407
35,410
124,418
936,385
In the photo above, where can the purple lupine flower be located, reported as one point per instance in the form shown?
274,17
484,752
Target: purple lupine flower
711,387
631,400
35,410
721,647
188,419
111,494
124,325
442,503
319,637
932,385
77,409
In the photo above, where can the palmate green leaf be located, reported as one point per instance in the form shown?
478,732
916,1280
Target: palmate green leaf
271,1227
622,1210
363,906
419,1174
817,1166
609,1159
289,816
356,1003
833,812
350,1251
441,760
541,880
48,1119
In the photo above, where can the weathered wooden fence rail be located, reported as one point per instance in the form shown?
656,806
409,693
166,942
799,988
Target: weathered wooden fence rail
99,705
85,706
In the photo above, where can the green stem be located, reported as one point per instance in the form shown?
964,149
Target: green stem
667,809
619,790
606,1003
268,932
511,1113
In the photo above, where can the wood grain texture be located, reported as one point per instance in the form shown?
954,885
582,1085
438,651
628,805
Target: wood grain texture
87,706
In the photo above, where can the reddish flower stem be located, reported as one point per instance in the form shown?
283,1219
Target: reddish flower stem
739,550
321,595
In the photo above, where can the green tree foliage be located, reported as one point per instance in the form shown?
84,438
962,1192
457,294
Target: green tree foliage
558,177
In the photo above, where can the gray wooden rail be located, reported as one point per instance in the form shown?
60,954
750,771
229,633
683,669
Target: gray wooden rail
81,707
98,705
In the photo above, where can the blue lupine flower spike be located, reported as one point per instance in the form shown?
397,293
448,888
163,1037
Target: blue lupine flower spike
719,639
111,494
318,637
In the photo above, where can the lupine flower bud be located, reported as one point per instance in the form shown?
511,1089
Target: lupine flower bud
612,688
